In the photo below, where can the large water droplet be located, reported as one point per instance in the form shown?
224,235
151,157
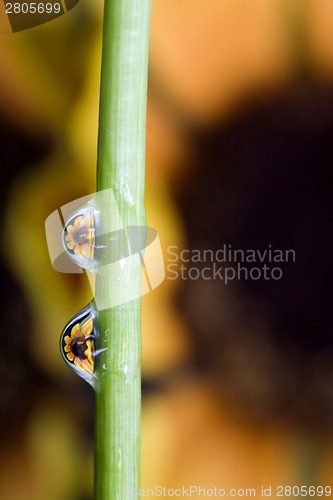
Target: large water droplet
79,237
77,344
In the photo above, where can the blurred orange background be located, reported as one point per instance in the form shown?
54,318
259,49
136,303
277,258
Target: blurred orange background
206,59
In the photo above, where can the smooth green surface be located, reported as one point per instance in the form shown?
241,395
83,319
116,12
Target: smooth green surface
121,163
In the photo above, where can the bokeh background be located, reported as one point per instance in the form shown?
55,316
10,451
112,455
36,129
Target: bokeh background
237,382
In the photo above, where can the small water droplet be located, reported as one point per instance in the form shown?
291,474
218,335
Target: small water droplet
77,344
122,263
120,461
127,372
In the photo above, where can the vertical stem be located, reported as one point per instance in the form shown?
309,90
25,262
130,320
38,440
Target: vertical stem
121,162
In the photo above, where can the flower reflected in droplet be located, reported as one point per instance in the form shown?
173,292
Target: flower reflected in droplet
79,345
80,237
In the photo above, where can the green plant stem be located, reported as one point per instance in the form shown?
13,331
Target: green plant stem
121,166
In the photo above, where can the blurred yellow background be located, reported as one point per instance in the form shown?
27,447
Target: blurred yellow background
206,58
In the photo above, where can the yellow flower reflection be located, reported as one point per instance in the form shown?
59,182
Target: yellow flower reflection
80,346
80,236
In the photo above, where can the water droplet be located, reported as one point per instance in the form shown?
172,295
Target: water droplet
120,461
79,237
128,372
77,344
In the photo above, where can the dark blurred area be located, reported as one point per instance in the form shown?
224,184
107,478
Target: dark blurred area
20,379
263,179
